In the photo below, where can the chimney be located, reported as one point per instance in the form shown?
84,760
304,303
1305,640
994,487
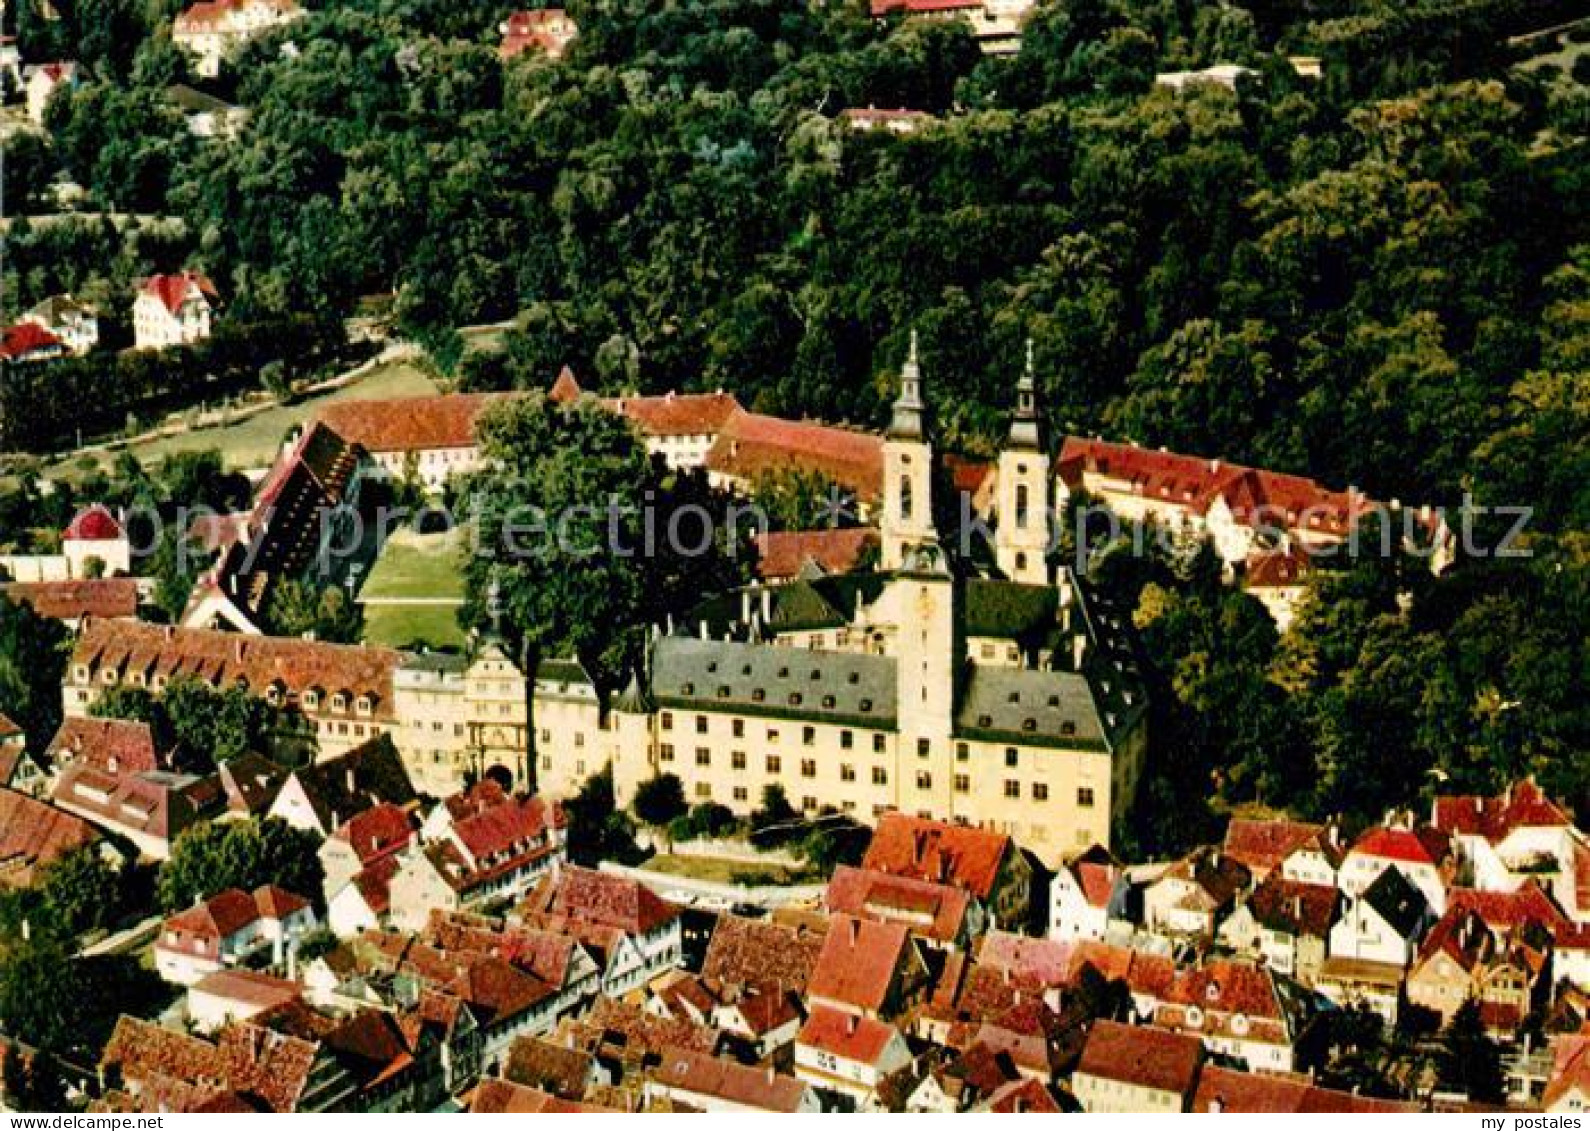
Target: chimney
1079,650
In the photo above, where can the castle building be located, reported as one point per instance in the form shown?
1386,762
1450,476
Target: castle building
919,688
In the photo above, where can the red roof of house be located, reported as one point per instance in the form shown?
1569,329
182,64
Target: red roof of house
1293,908
859,962
751,446
174,291
409,424
109,598
845,1035
702,1074
940,853
1255,497
597,897
94,524
1423,845
16,342
116,746
502,1097
1141,1056
1522,805
1262,846
934,911
205,13
378,831
677,414
221,916
1504,910
33,834
1047,962
549,29
759,953
277,903
249,987
1231,1091
923,7
783,554
1021,1097
8,729
488,822
1283,568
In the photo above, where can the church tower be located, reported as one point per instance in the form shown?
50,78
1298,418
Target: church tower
1021,541
907,471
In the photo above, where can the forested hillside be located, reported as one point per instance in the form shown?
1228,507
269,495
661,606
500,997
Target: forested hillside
1379,278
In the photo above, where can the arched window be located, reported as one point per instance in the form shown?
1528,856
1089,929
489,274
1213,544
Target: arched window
1021,505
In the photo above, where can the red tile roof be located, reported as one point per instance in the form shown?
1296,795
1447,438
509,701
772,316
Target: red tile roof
845,1035
757,953
248,987
174,291
33,834
548,29
751,446
860,962
202,17
378,831
104,598
17,342
1283,568
1523,805
1289,907
1226,1090
1502,911
921,849
490,824
222,659
933,911
783,554
1142,1056
1263,846
116,746
221,916
1021,1097
500,1097
677,414
1046,962
597,897
94,524
1423,845
1570,1070
727,1081
409,424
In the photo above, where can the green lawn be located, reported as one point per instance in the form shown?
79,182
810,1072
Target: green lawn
253,442
412,594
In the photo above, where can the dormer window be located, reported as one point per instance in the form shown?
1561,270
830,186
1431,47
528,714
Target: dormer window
1068,728
828,701
757,695
365,705
794,698
339,701
81,673
312,699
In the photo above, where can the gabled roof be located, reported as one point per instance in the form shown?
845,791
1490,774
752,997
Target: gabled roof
1289,907
937,852
502,1097
94,524
362,778
1227,1090
1142,1056
1522,805
1421,845
116,746
784,554
597,897
699,1073
24,338
751,446
251,782
1263,845
378,831
859,962
33,835
175,291
549,1067
934,911
409,424
847,1036
77,600
1570,1070
757,953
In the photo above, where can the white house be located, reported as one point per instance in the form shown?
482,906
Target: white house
173,310
1520,835
230,928
1422,854
1382,923
224,996
1081,895
95,534
42,81
74,323
840,1052
215,29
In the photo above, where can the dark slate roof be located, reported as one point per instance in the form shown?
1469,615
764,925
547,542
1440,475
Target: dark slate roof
1031,707
766,679
1006,609
443,663
376,773
1397,901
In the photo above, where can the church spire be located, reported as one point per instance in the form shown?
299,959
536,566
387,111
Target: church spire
1024,424
908,421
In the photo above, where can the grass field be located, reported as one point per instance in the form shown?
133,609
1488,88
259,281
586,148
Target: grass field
413,593
715,869
253,442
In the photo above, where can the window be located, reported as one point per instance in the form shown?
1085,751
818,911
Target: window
703,756
1021,505
963,783
1011,757
808,804
923,748
579,738
737,759
1085,797
1012,789
668,720
739,728
1040,791
666,752
905,499
775,764
962,752
772,736
924,780
808,736
877,744
880,776
846,740
741,793
847,773
701,724
704,789
808,768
